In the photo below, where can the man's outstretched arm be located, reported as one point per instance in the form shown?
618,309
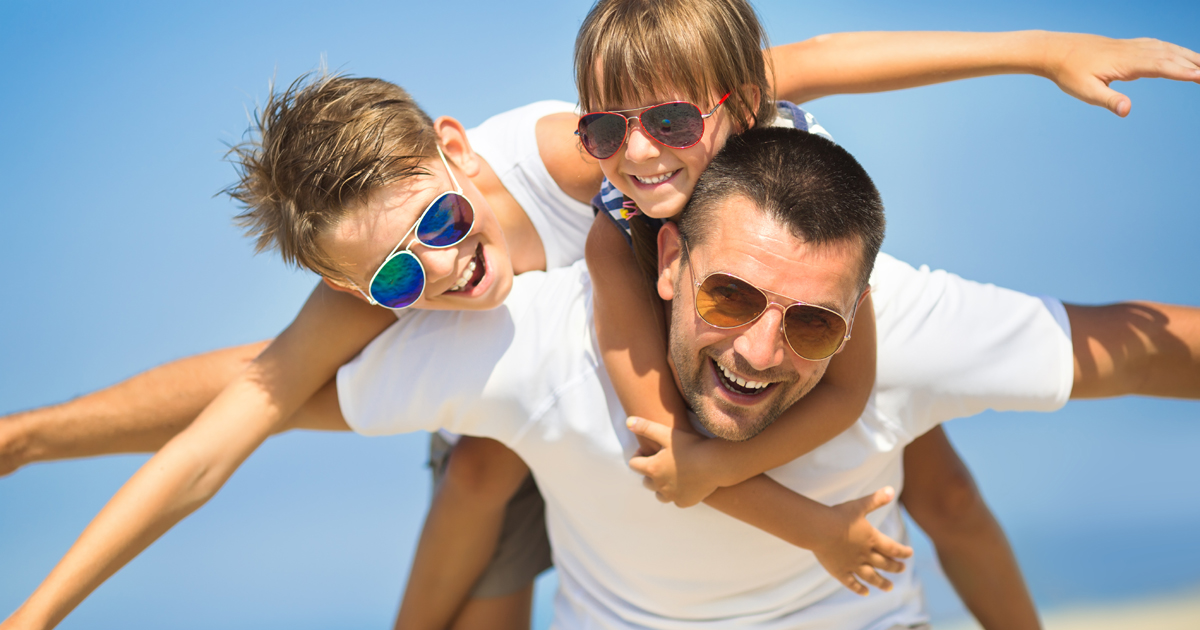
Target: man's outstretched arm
1136,348
138,415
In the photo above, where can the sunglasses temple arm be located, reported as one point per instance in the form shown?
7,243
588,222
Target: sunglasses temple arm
457,188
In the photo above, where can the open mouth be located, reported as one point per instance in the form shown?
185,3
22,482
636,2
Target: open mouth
657,179
473,274
737,384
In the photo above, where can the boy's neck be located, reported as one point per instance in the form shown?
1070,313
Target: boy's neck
524,244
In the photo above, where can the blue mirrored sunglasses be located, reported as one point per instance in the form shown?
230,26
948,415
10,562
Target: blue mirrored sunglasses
447,220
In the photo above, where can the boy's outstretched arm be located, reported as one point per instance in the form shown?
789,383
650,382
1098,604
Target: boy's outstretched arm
190,468
1081,65
138,415
941,496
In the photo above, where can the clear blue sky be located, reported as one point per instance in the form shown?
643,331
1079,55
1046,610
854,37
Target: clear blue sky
119,256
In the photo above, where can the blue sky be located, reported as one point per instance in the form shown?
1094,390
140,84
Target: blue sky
120,255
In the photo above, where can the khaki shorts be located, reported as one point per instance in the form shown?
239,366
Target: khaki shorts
523,550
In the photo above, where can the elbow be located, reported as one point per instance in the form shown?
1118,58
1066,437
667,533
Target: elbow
953,506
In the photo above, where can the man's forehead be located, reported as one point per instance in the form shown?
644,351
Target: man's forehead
744,241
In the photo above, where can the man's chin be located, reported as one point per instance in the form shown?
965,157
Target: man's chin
735,424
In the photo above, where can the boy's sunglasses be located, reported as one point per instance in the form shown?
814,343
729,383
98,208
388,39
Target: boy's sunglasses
678,125
726,301
447,220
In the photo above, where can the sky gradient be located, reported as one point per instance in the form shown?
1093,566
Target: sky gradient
120,254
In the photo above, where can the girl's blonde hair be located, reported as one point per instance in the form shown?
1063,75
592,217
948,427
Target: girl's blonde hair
630,50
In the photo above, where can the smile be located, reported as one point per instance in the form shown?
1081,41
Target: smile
739,385
473,273
658,179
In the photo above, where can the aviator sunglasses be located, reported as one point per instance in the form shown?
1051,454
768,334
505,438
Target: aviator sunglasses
726,301
677,124
447,220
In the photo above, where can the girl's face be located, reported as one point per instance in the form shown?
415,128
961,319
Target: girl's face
659,178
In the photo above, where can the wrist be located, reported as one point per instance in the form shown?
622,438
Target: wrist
16,443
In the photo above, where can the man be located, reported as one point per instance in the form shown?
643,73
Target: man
807,233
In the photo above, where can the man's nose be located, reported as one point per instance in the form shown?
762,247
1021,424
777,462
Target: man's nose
639,147
762,343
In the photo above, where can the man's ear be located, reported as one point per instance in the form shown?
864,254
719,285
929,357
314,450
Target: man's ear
670,247
453,139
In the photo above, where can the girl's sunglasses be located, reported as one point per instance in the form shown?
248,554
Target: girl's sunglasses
678,125
400,280
726,301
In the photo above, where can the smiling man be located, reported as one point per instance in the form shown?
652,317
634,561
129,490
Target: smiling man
771,257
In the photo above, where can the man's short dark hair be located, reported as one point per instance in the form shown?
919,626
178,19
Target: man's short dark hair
804,181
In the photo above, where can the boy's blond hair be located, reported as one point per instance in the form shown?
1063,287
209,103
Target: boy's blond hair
630,50
316,150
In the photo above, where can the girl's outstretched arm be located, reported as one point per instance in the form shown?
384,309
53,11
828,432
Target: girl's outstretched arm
190,468
1081,65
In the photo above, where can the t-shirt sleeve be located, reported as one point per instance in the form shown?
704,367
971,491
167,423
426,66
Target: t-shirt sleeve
953,348
426,372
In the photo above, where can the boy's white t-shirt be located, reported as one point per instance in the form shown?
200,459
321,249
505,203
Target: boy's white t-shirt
529,375
508,142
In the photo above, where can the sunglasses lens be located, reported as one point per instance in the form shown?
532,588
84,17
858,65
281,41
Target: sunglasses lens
813,332
399,282
448,221
602,134
677,125
727,302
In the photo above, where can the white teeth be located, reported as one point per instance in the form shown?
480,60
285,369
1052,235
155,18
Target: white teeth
741,381
465,277
655,180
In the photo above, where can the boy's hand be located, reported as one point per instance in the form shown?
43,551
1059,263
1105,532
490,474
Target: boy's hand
682,470
1084,65
856,550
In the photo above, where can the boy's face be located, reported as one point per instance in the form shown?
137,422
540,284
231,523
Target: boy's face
659,178
362,241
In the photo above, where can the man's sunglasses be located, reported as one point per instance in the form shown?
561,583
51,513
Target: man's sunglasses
726,301
447,220
678,125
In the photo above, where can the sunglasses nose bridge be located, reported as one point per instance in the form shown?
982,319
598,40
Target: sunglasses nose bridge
761,342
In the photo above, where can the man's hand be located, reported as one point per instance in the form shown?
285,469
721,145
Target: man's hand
855,550
682,470
1084,66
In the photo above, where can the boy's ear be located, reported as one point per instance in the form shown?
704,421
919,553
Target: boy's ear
751,93
453,139
669,249
343,289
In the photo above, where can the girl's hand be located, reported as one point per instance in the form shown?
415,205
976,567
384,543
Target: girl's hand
856,550
682,470
1084,66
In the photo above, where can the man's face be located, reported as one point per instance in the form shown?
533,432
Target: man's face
746,243
475,274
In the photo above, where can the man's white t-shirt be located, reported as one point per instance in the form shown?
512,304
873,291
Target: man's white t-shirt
529,375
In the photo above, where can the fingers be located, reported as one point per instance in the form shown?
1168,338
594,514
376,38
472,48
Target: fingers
849,582
889,547
642,465
650,430
871,576
880,498
884,563
648,484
